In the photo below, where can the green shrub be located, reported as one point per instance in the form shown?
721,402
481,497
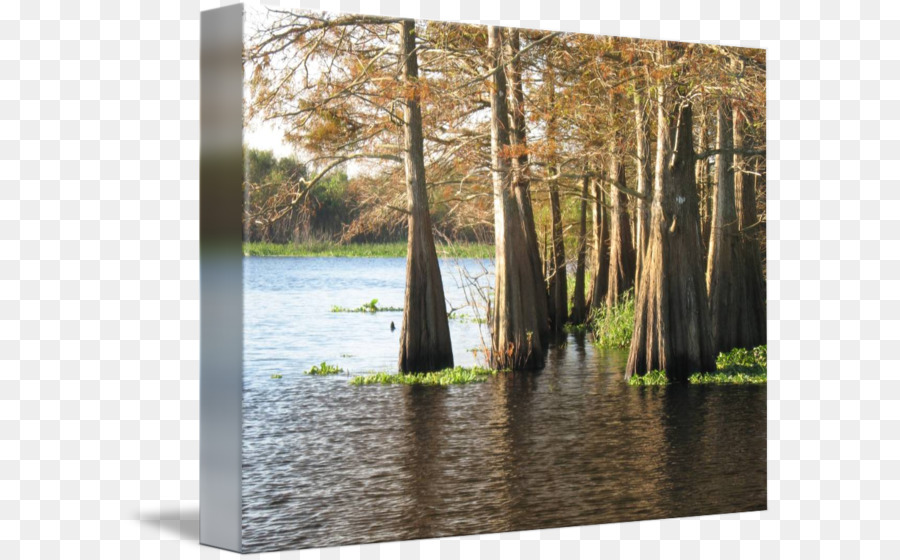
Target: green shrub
613,326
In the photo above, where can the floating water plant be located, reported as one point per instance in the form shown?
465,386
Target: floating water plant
324,369
466,318
276,376
451,376
370,307
735,367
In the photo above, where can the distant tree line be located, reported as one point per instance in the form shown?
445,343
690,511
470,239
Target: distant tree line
277,209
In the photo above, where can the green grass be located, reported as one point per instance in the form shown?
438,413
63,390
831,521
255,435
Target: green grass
736,367
450,376
370,307
613,326
323,369
330,249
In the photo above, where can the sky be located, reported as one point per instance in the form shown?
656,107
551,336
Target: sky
266,136
258,134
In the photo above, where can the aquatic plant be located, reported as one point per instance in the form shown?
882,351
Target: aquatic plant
370,307
613,326
466,318
324,369
276,376
451,376
735,367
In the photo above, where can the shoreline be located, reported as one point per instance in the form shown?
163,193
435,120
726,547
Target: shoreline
378,250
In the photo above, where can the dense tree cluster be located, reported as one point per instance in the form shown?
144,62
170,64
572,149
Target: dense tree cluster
628,164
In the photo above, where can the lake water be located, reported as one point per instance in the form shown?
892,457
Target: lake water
326,463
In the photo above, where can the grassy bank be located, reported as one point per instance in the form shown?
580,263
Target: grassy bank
451,376
737,367
398,249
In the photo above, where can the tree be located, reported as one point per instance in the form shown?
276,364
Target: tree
521,174
733,273
579,308
621,251
515,332
745,196
556,267
672,327
644,180
600,254
425,334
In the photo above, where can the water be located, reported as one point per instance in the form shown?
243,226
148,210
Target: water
327,464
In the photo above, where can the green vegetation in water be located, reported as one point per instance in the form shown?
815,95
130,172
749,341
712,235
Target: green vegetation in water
323,369
276,376
332,249
451,376
736,367
371,307
613,326
466,318
575,329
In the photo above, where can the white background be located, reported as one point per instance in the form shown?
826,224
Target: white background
99,308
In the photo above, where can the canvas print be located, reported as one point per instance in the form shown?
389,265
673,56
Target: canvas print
496,279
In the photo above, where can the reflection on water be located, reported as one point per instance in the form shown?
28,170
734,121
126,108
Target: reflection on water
328,464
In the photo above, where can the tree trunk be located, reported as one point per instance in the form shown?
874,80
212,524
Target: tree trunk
733,273
644,183
515,332
745,197
600,238
621,251
521,179
559,301
425,334
672,330
579,309
703,184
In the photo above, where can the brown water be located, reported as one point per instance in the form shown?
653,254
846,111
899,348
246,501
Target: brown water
327,464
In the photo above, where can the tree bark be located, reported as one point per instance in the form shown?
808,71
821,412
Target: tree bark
579,308
733,273
672,330
644,183
521,178
600,258
425,334
621,251
515,332
703,183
